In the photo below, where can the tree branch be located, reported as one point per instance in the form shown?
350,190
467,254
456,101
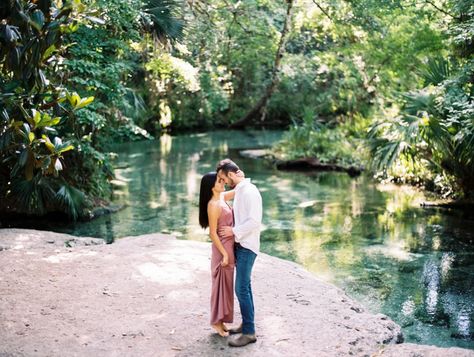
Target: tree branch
324,11
441,10
260,108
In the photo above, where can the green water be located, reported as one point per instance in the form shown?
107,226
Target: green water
413,264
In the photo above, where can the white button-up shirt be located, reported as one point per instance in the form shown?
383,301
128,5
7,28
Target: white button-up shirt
247,215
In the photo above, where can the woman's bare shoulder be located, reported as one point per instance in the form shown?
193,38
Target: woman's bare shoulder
214,205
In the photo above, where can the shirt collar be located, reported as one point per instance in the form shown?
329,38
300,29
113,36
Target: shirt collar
241,184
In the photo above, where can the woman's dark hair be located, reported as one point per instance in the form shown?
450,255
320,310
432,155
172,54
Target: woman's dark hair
207,183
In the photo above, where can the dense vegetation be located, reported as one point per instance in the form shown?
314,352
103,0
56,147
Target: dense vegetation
52,138
388,83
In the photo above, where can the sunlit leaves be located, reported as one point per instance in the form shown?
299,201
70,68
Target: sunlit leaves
33,106
77,102
39,120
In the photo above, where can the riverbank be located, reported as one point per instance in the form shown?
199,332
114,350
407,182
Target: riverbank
149,295
313,164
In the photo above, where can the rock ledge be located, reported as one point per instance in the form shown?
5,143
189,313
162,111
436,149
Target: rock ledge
149,296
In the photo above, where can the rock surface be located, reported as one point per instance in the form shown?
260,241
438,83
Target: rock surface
149,296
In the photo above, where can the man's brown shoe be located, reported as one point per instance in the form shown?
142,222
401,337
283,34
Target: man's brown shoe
242,340
235,330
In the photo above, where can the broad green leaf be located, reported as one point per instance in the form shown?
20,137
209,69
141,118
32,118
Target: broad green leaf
72,27
83,102
48,121
23,157
49,51
67,148
44,119
54,121
37,19
74,99
49,144
36,116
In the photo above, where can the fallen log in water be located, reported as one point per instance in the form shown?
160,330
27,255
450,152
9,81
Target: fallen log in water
303,164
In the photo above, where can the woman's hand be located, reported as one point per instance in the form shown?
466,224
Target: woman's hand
240,173
225,261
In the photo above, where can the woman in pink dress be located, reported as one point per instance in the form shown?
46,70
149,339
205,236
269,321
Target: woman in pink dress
213,213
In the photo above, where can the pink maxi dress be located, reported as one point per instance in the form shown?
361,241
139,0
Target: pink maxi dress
222,294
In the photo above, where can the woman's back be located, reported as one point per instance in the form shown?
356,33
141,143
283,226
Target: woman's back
226,218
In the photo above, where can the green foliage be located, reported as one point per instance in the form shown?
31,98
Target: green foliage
33,107
133,71
315,139
230,47
101,62
435,126
339,63
110,61
160,18
362,56
52,139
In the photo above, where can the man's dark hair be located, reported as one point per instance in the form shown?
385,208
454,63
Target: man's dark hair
227,165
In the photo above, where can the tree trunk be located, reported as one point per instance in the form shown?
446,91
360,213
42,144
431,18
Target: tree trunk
260,108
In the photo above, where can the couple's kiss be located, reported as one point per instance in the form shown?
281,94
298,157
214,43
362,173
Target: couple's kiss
235,235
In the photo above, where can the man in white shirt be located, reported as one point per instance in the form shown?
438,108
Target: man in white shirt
246,231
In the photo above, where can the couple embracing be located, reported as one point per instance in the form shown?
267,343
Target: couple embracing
235,235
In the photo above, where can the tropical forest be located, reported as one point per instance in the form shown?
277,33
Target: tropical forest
354,118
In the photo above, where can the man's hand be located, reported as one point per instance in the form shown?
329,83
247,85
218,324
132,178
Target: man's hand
225,231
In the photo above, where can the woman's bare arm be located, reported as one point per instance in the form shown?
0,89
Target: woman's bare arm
228,195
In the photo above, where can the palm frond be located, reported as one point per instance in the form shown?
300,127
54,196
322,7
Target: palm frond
32,196
162,19
435,71
419,101
71,200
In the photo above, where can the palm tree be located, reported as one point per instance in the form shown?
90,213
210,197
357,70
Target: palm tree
435,124
161,18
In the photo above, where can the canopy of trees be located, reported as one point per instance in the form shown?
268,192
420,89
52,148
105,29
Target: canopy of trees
389,82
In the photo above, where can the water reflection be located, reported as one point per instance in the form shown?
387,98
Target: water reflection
415,265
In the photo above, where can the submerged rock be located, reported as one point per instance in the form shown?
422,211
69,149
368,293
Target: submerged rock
302,164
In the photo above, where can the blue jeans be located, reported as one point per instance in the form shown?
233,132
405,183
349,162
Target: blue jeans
244,259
